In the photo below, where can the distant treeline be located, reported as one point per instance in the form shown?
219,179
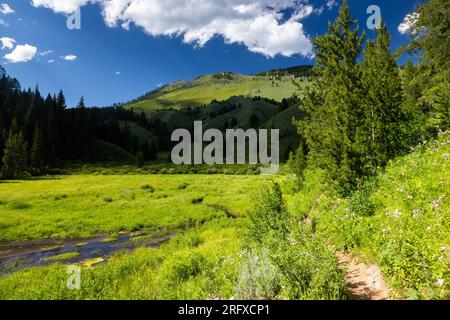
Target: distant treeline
305,71
38,133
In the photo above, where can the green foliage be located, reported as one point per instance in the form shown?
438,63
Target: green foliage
36,157
380,137
63,257
285,255
360,202
427,85
406,231
332,105
297,164
15,157
18,205
270,215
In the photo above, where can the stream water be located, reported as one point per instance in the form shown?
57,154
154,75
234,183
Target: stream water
18,256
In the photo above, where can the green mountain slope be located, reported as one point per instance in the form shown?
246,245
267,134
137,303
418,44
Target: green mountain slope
214,87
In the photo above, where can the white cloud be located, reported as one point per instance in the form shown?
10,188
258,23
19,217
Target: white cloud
61,6
22,53
70,57
118,73
45,53
6,9
51,61
7,43
258,24
408,23
331,4
4,23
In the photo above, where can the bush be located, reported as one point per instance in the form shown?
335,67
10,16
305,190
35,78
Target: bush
305,267
360,202
197,201
183,186
181,267
148,188
18,205
258,278
107,199
60,197
270,215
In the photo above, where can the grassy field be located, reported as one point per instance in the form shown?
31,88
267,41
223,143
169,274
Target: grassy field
84,205
214,260
205,90
398,220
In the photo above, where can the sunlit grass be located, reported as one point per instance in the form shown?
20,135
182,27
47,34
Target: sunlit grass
85,205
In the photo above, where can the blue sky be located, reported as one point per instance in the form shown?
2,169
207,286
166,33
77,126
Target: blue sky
120,55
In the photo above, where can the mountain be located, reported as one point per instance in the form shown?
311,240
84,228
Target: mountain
275,84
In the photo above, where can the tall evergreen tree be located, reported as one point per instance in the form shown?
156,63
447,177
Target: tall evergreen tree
332,105
430,34
381,134
15,156
36,158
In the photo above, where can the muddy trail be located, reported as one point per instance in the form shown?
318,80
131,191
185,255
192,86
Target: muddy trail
364,282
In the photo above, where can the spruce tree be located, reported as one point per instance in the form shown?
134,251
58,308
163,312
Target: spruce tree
36,158
332,106
380,136
15,156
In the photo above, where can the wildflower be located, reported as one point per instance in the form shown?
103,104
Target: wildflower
410,197
443,248
440,282
429,228
397,213
437,203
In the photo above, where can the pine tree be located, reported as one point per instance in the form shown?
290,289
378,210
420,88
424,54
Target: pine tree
380,136
297,163
332,105
15,157
36,158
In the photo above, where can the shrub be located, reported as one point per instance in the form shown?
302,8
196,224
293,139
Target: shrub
197,201
148,188
18,205
270,215
107,199
183,266
183,186
258,278
360,202
307,269
60,197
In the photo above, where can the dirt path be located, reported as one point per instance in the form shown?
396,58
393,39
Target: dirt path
365,282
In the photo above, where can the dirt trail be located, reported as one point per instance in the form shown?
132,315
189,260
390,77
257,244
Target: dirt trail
364,282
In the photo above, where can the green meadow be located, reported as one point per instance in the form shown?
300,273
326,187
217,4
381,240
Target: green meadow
78,206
